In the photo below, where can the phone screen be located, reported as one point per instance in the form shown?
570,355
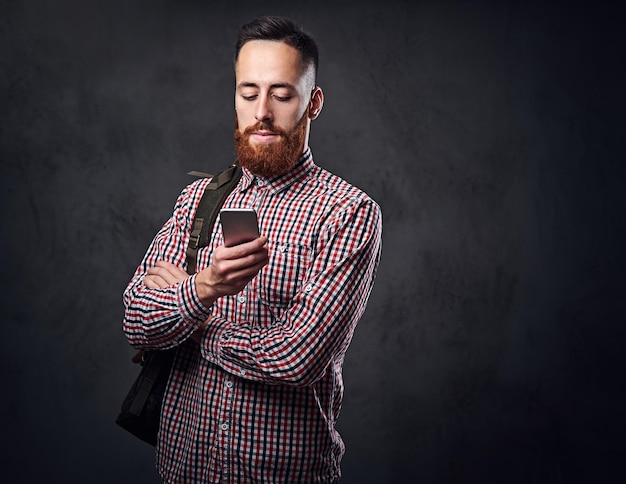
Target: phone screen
239,225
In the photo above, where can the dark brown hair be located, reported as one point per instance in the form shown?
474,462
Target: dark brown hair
280,29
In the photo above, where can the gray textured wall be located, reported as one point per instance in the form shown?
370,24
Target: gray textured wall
491,133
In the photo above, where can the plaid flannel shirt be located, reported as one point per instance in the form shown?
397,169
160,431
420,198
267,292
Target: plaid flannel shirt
258,399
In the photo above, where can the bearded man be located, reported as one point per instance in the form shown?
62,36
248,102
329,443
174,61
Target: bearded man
261,329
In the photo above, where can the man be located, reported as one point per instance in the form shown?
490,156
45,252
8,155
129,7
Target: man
261,328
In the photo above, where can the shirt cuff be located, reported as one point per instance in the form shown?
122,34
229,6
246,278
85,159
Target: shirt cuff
215,339
214,335
189,305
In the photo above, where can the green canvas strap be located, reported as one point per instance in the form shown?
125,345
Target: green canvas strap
212,199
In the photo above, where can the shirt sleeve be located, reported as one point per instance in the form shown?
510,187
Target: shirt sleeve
320,322
164,318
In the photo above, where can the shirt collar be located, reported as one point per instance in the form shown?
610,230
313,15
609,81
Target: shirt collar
276,184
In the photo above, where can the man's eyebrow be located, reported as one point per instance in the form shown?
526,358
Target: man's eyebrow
276,85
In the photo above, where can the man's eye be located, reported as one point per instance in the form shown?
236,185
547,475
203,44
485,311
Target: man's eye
249,98
282,98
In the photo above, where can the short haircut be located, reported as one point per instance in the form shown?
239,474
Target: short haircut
283,30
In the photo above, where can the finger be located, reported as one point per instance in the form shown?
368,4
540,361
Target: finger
247,265
166,274
155,282
172,269
163,276
241,256
243,250
241,277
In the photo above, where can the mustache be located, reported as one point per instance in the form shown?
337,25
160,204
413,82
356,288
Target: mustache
264,126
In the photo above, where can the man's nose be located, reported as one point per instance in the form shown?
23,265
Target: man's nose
263,112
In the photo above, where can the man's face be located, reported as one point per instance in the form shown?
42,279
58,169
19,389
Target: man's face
272,101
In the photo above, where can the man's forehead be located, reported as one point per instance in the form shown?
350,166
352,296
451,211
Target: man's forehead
268,61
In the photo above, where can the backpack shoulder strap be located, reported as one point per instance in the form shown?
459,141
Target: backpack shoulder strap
212,199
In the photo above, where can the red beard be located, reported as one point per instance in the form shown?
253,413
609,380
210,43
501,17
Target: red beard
272,159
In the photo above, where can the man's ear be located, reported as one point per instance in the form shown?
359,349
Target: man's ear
316,103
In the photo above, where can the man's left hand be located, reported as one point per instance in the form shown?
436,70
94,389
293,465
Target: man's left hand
164,274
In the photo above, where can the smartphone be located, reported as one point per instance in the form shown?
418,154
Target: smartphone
239,225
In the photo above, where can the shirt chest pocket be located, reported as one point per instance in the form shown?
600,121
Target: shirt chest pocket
284,275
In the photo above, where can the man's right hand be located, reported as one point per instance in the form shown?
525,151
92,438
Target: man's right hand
231,269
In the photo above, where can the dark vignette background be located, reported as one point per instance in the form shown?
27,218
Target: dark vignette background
491,133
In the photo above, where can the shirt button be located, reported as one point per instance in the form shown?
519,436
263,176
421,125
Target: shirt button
241,299
243,372
282,248
260,183
308,288
224,426
229,384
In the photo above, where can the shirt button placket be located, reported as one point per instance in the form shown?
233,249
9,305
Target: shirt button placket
225,427
241,301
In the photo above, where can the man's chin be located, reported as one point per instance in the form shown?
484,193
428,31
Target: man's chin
264,140
258,146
